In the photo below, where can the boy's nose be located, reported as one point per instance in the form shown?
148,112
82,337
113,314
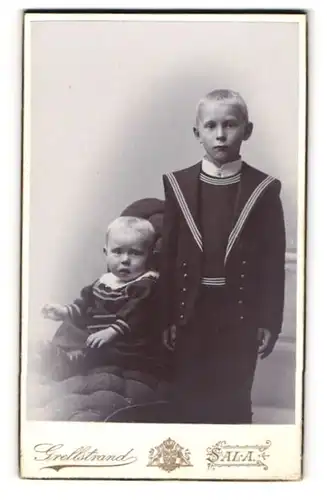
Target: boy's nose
220,132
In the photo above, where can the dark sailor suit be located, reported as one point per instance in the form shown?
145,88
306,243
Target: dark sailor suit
221,278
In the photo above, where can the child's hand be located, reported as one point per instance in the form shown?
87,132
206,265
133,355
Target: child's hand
267,342
55,312
102,337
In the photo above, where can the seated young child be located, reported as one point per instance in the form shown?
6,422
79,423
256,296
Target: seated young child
111,321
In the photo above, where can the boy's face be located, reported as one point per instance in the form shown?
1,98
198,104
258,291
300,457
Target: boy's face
221,128
126,254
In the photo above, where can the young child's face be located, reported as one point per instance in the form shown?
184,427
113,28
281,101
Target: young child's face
221,128
126,254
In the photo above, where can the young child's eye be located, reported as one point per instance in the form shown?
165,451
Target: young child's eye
136,252
231,124
116,251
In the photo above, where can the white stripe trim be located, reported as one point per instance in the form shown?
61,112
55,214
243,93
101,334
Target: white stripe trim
117,328
115,292
185,210
220,181
99,316
71,308
245,212
213,281
77,309
112,295
123,324
99,325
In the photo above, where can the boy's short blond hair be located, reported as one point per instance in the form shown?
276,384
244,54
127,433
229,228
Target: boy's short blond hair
225,95
140,226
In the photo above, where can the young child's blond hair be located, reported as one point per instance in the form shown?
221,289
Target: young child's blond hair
141,227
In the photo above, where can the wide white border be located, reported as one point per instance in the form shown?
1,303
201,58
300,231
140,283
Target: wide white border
315,442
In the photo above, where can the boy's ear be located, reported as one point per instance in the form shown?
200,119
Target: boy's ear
248,131
105,250
196,132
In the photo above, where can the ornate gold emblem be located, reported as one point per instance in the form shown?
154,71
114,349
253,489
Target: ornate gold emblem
169,456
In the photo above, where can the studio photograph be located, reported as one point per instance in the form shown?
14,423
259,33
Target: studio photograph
163,240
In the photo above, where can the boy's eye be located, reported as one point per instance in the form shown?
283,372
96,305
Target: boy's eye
116,251
210,124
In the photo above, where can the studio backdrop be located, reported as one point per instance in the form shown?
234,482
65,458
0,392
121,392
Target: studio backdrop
112,106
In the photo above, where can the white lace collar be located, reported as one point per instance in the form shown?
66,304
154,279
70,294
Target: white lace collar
112,281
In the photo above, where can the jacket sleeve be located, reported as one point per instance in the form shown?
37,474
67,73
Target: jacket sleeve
78,309
132,317
272,261
168,257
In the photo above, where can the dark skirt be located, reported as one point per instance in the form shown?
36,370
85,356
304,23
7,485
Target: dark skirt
214,365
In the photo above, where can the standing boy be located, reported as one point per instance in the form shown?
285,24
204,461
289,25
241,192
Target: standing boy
222,268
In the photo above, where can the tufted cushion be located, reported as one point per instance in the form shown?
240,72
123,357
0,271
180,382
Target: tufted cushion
95,396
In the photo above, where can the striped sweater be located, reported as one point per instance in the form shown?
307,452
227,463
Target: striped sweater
124,308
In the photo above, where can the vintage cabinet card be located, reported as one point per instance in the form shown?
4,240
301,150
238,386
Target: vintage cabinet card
163,245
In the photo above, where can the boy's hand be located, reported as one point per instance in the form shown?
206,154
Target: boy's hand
169,337
102,337
55,312
267,342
